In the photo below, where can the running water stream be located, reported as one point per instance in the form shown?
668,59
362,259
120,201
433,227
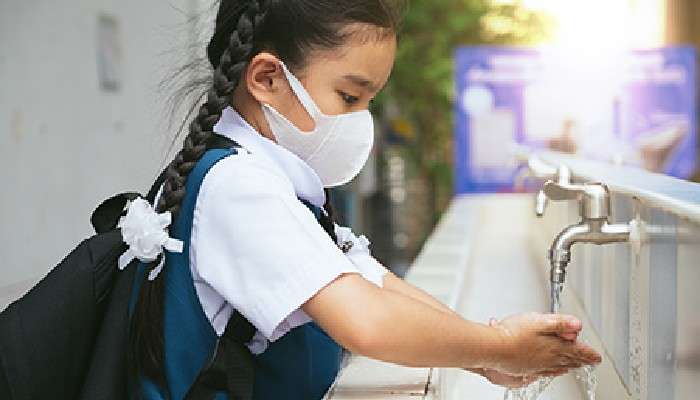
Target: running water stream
585,374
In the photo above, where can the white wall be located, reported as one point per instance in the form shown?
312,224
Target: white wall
65,143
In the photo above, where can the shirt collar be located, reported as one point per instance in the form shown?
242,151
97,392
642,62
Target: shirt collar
306,182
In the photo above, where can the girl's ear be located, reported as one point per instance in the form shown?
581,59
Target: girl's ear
264,78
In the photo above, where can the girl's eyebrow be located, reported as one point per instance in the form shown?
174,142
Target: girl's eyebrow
361,81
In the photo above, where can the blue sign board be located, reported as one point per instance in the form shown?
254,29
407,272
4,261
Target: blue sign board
635,107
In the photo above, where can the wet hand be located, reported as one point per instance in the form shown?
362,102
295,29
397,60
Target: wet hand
540,344
505,380
515,382
567,335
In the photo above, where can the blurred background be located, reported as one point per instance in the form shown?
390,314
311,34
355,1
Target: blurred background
91,101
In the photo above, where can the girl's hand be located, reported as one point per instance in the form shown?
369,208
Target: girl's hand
535,345
505,380
572,336
513,381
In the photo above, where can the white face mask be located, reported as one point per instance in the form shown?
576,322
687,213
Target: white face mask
336,149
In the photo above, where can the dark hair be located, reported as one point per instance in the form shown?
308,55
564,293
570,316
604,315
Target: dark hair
290,29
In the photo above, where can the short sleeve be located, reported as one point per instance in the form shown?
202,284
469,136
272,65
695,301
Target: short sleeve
258,246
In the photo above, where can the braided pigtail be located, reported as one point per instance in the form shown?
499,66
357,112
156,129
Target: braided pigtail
226,77
146,339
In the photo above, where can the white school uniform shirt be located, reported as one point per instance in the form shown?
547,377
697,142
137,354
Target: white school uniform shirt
255,247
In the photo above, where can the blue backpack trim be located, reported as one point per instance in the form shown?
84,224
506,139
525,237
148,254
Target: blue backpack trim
301,365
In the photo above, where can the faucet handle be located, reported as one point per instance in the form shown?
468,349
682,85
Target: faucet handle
558,191
563,176
594,197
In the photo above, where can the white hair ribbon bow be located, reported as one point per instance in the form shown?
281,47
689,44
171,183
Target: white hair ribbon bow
350,242
144,232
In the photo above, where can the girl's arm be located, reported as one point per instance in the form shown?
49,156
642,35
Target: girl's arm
393,327
398,285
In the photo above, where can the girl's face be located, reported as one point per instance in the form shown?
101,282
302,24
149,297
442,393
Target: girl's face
340,80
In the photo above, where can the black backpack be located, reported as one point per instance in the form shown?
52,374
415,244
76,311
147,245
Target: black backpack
67,337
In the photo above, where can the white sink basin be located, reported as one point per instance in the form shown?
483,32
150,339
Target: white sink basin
502,279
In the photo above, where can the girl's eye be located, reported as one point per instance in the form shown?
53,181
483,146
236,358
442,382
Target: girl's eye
348,99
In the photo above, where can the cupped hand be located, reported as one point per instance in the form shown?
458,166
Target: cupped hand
514,381
505,380
567,335
541,344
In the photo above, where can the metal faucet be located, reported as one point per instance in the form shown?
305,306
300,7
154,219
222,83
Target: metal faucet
595,226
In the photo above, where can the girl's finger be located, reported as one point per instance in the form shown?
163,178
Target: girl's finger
555,373
559,324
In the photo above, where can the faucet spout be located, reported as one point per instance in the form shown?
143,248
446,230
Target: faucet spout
595,231
595,227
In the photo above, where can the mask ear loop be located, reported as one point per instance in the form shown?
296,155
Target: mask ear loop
302,94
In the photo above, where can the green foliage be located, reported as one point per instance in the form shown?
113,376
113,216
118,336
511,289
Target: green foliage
422,84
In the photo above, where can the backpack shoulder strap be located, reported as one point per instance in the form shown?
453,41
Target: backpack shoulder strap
231,367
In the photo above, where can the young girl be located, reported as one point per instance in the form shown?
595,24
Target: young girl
266,290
